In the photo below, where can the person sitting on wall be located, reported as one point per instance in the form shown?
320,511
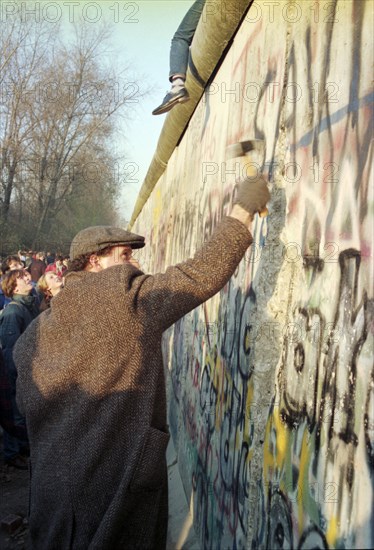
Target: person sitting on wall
96,389
179,51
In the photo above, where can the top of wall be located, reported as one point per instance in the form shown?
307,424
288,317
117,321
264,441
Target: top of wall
217,27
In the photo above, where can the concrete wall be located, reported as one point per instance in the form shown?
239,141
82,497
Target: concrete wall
271,381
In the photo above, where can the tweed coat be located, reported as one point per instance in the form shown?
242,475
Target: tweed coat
91,385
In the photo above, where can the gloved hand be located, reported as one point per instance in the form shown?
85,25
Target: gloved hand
253,195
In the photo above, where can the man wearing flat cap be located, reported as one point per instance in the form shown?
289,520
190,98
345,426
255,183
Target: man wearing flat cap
97,248
91,384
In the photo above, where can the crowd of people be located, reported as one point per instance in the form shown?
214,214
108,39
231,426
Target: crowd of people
28,283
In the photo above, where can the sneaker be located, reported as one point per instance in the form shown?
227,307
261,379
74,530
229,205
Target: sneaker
171,99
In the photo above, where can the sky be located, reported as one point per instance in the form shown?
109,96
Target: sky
141,34
147,46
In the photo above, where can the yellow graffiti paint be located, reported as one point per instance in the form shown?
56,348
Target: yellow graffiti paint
250,391
282,438
332,532
249,399
303,479
277,458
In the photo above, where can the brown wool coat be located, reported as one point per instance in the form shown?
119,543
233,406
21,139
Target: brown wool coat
91,385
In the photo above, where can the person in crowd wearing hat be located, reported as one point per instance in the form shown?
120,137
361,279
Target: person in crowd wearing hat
94,393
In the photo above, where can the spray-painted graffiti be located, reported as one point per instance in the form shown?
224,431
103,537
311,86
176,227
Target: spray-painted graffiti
217,421
272,381
317,400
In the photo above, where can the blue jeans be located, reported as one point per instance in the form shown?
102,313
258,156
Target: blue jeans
182,39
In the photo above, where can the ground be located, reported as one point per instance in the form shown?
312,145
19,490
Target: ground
14,491
14,495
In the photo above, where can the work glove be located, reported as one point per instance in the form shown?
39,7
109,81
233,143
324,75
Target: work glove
253,195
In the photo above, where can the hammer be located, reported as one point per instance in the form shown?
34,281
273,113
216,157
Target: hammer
243,150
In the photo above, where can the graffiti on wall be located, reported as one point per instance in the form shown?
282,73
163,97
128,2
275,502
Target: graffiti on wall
318,433
315,464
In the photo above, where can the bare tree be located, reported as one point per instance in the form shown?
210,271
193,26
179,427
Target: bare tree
78,112
62,105
22,51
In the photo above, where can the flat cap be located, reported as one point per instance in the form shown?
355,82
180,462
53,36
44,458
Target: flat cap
96,238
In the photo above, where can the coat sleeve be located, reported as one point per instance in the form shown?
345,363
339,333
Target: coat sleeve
166,297
11,327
